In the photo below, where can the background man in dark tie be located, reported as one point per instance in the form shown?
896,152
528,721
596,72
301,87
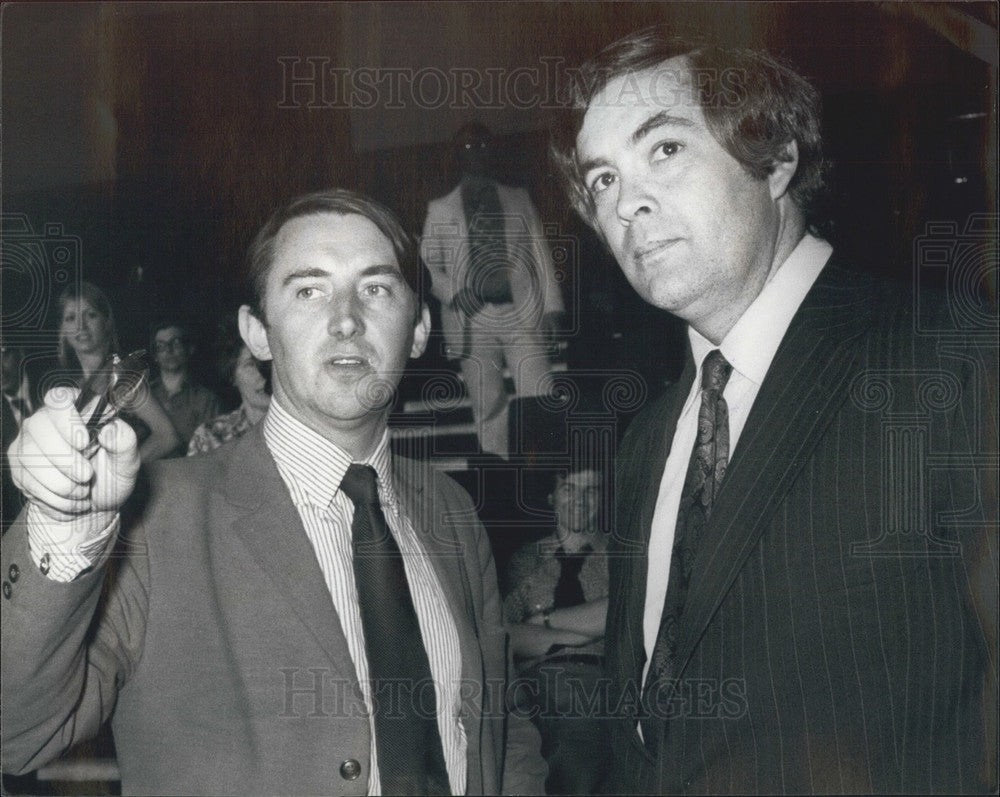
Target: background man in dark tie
803,586
244,645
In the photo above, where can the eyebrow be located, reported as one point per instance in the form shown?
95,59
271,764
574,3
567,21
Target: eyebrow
379,270
655,121
660,119
384,270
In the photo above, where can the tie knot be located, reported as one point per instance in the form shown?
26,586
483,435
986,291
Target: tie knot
715,372
360,484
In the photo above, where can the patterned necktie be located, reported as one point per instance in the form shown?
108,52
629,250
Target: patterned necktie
704,476
407,739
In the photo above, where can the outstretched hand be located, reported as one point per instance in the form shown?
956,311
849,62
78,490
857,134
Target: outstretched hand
68,477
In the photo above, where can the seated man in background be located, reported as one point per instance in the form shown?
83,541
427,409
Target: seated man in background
555,613
188,403
299,612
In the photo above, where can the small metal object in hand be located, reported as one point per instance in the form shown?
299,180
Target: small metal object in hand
115,383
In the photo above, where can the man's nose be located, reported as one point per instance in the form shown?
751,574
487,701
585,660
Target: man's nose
346,318
634,199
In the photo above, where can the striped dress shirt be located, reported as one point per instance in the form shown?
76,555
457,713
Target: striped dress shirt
312,468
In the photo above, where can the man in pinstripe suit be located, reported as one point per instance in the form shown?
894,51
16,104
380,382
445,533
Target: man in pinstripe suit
233,651
830,624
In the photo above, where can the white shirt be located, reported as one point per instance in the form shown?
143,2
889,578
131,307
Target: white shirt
326,514
749,347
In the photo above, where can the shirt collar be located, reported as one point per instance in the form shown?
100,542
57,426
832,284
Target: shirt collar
312,466
751,344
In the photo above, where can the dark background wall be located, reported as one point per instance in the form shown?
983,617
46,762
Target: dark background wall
159,136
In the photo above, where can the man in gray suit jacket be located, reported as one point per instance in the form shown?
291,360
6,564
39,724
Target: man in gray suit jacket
803,586
232,646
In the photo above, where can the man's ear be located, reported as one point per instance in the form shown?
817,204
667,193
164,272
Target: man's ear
254,334
784,170
421,333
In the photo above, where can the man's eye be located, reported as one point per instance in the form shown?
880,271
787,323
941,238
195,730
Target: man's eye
307,292
666,150
602,181
376,289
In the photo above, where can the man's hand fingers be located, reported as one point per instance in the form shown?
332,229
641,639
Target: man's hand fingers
42,448
64,418
59,506
118,438
52,477
116,464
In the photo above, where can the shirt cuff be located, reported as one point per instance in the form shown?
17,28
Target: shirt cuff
62,552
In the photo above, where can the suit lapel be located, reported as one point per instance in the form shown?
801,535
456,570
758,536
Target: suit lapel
805,385
427,510
268,522
414,484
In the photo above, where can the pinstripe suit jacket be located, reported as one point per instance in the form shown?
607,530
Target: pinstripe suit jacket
218,652
840,629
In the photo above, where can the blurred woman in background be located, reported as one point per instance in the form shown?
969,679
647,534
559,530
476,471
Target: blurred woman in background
87,337
237,367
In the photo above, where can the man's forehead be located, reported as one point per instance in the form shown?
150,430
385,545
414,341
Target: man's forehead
581,477
348,227
337,237
169,332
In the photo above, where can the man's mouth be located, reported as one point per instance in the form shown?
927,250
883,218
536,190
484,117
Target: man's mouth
651,251
349,361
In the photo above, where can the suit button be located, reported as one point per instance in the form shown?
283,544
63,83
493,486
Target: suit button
6,589
14,574
350,769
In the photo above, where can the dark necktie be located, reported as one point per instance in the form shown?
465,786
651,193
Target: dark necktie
704,476
569,590
487,278
407,740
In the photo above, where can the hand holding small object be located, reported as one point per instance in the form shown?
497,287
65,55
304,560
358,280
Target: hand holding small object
77,470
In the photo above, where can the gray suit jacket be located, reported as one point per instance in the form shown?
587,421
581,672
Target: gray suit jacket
839,633
216,648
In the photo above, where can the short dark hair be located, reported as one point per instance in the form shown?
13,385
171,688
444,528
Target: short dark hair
753,105
260,255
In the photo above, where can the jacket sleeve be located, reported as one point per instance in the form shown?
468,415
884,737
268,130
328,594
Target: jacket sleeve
62,668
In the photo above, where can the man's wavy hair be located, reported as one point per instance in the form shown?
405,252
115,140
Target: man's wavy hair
754,105
260,255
